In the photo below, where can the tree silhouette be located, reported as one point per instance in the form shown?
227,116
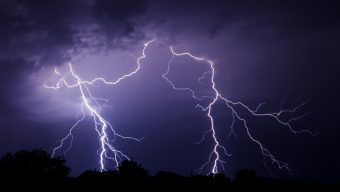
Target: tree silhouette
32,164
246,176
35,170
132,169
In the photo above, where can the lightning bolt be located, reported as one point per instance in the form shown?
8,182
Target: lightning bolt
218,151
91,105
108,151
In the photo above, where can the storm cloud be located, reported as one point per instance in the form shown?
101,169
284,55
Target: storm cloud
263,51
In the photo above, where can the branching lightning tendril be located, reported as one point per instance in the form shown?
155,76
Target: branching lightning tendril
107,149
215,157
91,104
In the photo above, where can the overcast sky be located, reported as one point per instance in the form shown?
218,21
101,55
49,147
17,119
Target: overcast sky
275,51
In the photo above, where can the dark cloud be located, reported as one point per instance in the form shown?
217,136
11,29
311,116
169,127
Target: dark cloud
14,72
280,16
223,19
36,30
49,32
118,20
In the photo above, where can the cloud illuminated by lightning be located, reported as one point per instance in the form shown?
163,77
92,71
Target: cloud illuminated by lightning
107,149
215,157
91,105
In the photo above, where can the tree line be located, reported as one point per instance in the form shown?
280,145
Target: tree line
38,171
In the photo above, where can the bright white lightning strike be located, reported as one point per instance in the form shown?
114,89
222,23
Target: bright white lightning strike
215,157
109,151
91,105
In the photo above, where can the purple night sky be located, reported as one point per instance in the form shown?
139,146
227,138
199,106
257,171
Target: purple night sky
274,51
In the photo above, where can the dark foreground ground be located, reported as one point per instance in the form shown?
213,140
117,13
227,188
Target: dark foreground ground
163,181
136,178
35,170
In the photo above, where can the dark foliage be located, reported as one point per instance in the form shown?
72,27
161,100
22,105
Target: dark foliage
36,170
132,169
33,164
